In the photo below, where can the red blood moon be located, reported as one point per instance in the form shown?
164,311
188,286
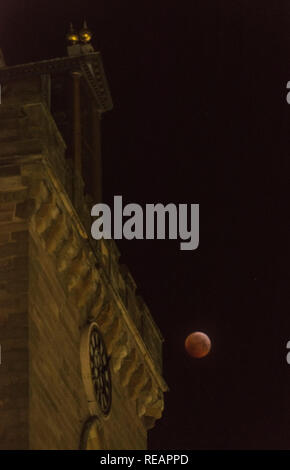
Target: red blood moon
197,344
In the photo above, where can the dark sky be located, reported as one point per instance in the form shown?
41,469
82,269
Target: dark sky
200,116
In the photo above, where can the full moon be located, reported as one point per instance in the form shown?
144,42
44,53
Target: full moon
197,344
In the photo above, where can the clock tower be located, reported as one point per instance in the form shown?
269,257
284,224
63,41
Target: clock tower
80,352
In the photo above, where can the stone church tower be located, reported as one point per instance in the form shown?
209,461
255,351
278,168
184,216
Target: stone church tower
80,353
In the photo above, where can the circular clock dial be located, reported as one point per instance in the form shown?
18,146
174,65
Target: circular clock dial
100,370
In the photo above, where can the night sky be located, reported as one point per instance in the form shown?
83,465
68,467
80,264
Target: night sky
200,116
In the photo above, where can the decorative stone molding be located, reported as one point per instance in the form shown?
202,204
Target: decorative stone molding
103,291
52,218
89,65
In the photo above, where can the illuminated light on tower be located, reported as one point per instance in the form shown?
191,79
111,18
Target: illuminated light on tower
72,37
85,34
79,43
73,45
85,37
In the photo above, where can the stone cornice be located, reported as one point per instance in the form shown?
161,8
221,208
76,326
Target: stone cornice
90,65
90,288
82,270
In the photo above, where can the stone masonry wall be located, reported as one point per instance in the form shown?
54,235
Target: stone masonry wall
52,284
58,406
14,367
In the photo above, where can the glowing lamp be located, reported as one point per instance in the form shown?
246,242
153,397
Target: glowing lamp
72,37
85,34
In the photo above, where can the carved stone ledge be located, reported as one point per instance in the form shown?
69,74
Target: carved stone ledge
121,353
67,252
152,413
128,367
55,235
89,287
137,381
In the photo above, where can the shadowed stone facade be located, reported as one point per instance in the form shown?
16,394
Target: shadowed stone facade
55,281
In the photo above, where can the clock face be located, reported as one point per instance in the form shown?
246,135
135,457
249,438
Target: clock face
100,370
